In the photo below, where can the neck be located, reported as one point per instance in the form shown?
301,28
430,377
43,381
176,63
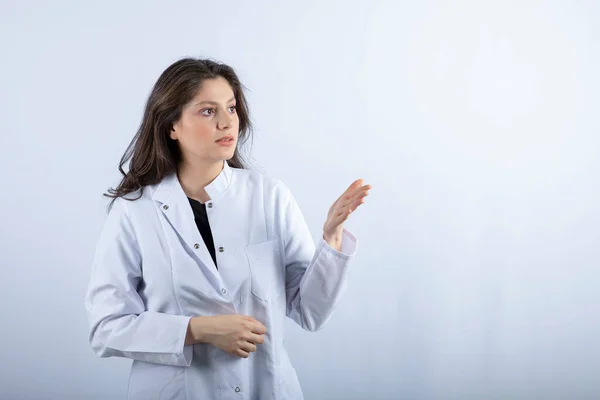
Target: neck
194,177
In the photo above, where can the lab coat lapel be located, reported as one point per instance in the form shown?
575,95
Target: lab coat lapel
175,206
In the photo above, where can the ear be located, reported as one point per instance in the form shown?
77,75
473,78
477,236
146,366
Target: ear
173,134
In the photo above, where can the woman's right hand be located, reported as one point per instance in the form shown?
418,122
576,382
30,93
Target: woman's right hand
235,334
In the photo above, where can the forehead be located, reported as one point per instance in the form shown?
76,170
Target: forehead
217,90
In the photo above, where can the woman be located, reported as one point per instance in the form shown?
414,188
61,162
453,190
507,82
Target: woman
201,259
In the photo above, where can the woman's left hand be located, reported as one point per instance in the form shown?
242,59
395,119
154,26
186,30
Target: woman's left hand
339,212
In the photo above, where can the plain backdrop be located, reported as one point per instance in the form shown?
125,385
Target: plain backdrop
477,123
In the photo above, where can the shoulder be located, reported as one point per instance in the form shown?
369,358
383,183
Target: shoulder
261,181
128,206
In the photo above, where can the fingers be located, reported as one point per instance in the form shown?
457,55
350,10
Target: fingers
244,349
343,212
247,347
355,200
356,184
254,325
345,209
241,353
356,191
360,190
258,328
256,339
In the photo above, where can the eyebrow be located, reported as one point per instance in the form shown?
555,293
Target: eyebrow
213,102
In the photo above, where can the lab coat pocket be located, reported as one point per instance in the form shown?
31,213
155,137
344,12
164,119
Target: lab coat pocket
266,269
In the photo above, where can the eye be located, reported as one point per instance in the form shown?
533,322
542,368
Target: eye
232,109
208,112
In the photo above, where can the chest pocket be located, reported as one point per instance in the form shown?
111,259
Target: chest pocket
266,270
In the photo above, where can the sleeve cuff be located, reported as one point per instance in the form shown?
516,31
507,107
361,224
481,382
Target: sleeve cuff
186,355
349,245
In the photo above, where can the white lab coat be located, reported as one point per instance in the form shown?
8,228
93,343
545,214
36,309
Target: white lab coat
152,272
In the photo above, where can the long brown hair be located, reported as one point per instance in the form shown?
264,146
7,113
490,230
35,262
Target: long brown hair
152,154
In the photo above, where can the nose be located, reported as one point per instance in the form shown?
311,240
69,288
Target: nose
224,122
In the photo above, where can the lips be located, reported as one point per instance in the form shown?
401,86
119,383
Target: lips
225,139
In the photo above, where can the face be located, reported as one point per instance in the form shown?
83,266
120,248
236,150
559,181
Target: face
208,128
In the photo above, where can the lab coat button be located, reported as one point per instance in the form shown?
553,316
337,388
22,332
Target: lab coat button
209,205
237,389
196,246
223,291
221,249
165,207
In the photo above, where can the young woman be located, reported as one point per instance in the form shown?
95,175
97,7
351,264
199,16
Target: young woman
201,259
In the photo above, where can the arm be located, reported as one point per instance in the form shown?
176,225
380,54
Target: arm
315,276
121,327
119,324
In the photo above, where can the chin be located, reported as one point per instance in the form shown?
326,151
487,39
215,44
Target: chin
227,157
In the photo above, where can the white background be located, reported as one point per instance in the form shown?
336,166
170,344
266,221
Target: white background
476,122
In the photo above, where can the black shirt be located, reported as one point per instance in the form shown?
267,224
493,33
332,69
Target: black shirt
201,219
